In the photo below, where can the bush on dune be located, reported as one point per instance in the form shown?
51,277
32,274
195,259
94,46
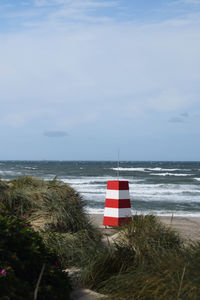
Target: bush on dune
23,254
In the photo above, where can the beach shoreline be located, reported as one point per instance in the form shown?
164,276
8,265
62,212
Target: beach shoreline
188,227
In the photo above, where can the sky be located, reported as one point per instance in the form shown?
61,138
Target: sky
82,79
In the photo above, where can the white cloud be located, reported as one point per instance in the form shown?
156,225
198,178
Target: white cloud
70,72
15,120
57,13
192,2
170,100
77,3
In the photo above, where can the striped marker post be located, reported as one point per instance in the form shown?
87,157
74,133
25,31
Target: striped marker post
117,205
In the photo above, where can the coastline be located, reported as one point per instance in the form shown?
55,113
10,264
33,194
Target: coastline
188,227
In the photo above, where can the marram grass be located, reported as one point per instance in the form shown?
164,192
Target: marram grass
147,261
56,210
58,205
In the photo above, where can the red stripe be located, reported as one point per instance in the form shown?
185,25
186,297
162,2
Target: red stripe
125,203
118,185
110,221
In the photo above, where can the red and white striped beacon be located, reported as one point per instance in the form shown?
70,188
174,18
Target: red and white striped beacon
118,204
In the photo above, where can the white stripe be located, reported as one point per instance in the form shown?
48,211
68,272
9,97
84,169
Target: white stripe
117,212
117,194
124,212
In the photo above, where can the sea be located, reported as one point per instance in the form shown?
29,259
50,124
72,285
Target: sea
161,188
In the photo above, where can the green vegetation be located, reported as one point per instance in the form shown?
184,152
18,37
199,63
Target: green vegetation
23,255
56,212
146,261
51,203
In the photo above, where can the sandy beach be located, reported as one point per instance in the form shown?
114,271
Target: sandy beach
188,227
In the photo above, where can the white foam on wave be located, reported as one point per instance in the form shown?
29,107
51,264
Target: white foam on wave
90,188
96,197
92,180
85,180
100,197
130,169
170,170
169,174
30,168
10,173
168,193
94,211
167,198
162,188
198,179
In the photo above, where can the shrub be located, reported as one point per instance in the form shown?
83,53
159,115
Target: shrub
22,256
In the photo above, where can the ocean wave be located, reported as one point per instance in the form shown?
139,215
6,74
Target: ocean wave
91,189
30,168
94,180
95,211
169,190
170,174
85,180
96,197
166,170
165,198
159,213
198,179
133,169
10,173
146,192
183,199
173,188
130,169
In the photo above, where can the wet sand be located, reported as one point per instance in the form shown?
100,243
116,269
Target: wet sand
188,227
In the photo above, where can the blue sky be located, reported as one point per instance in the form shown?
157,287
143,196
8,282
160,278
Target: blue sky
81,79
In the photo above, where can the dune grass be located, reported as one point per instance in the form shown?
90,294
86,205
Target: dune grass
58,205
54,209
147,261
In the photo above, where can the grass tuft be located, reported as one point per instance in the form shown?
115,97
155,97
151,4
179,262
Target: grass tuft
147,261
